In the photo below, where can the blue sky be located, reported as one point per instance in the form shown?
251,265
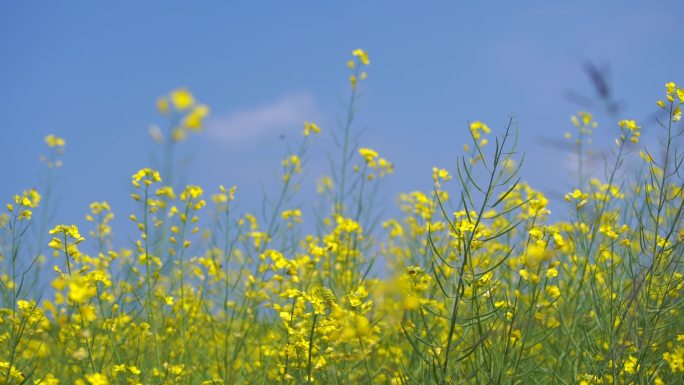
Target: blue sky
91,72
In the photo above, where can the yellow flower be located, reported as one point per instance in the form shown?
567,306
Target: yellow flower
310,128
356,297
29,198
10,370
553,291
147,174
670,87
191,192
440,174
54,141
536,255
631,365
608,231
477,127
292,165
368,155
182,99
68,231
524,274
586,117
225,195
675,359
80,290
630,130
97,379
166,191
25,305
49,379
629,124
193,120
347,225
134,370
295,215
362,55
552,272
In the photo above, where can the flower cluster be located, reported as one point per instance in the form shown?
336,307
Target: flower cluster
356,65
187,115
378,166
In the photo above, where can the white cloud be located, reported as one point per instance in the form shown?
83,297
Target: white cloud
248,125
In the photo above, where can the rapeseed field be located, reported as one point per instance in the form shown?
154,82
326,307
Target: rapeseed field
475,282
